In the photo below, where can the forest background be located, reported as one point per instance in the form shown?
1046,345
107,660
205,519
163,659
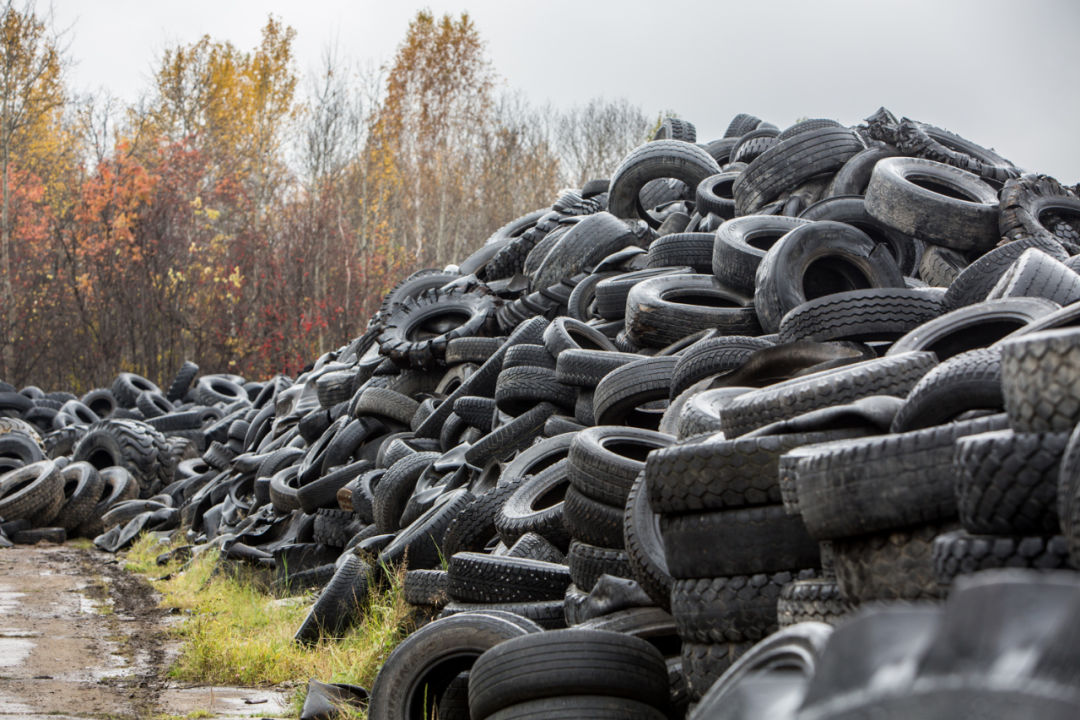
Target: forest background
245,219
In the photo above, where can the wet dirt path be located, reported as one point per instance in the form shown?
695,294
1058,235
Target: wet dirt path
81,638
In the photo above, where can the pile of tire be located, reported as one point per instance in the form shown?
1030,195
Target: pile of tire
640,453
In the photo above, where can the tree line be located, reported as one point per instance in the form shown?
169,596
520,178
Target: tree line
247,219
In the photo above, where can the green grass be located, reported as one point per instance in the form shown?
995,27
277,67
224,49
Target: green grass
235,632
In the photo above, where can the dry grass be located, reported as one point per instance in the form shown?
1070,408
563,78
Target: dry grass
237,633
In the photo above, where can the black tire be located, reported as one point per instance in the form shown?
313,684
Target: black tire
101,401
975,281
718,474
654,160
611,293
893,565
130,444
474,527
545,613
964,382
816,600
384,402
851,210
753,144
741,124
417,545
860,315
704,663
715,196
972,327
34,492
645,544
416,331
1040,379
819,259
791,163
333,527
738,608
507,439
536,547
181,383
685,248
622,392
1007,483
1036,274
676,129
536,505
339,604
478,412
572,707
482,578
567,662
586,368
939,266
588,562
568,334
591,521
934,202
605,460
418,671
961,553
117,485
472,349
520,388
761,539
713,356
82,490
218,389
664,310
881,376
740,245
127,386
581,248
789,657
853,487
396,487
1038,206
854,176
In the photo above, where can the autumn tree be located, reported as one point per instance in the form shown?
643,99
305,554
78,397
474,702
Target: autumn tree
593,138
31,99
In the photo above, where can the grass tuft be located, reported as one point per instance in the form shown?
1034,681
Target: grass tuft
236,632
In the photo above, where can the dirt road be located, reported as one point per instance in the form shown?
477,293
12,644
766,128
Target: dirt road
81,638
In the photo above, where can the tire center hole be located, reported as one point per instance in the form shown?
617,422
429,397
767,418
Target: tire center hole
941,187
833,274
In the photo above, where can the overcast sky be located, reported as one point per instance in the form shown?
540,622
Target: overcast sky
1000,72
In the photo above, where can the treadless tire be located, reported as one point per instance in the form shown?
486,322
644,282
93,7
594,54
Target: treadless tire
934,202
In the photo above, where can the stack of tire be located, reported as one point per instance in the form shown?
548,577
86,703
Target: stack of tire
742,385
